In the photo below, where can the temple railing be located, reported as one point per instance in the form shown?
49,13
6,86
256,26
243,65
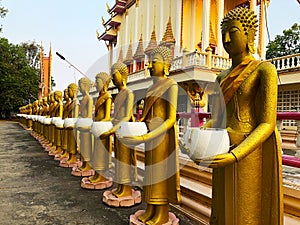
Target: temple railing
286,62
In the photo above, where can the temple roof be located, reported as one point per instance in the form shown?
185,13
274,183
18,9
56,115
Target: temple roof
168,36
139,53
152,43
129,57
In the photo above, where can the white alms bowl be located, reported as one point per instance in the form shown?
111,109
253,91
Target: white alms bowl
47,120
85,123
128,129
69,122
100,127
203,143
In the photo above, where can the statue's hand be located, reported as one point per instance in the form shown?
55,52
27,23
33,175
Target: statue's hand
105,134
132,140
217,161
183,147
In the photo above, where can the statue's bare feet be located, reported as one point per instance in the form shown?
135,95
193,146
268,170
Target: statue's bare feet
161,215
97,178
118,190
125,191
147,214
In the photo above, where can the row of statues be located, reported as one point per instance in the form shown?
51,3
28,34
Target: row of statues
247,185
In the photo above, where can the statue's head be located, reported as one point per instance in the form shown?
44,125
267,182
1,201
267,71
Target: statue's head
58,95
238,31
84,85
66,94
72,90
160,63
119,73
102,79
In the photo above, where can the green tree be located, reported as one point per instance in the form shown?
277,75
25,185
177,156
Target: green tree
3,13
19,80
286,44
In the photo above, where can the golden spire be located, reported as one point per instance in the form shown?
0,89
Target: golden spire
168,36
120,58
212,39
129,57
139,53
152,43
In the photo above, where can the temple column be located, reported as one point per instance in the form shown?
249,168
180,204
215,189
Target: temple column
193,27
220,15
110,50
178,28
126,31
148,20
253,5
262,30
205,24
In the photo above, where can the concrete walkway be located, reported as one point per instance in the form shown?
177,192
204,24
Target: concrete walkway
35,190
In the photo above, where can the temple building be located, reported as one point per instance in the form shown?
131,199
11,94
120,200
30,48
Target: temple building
45,86
190,28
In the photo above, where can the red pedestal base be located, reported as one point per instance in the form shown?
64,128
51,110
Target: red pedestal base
128,201
173,220
85,183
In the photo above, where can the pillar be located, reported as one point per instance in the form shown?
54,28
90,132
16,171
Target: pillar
205,24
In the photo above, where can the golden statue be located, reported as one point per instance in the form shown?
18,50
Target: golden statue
247,182
86,110
72,112
102,147
52,104
162,186
64,139
123,106
57,112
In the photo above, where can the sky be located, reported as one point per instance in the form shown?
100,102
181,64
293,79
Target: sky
70,26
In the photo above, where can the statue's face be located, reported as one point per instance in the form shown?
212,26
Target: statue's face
156,65
117,78
234,38
99,84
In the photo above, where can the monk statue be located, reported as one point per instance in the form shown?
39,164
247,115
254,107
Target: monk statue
123,111
161,182
57,112
64,135
52,105
102,147
72,112
86,110
247,181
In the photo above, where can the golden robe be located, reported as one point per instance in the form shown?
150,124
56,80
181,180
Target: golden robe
250,190
162,178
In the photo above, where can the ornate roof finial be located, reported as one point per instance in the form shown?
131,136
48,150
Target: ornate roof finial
129,57
120,58
152,43
168,36
139,53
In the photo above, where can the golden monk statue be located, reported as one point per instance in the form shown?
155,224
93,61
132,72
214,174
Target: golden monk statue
86,110
52,104
64,138
102,147
57,112
123,106
247,182
162,185
72,112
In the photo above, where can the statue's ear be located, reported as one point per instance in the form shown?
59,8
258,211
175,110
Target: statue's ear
166,70
251,43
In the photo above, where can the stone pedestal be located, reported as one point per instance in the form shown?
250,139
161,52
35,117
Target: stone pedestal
173,220
82,173
63,163
85,183
127,201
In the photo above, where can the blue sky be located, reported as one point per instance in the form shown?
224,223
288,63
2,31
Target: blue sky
70,26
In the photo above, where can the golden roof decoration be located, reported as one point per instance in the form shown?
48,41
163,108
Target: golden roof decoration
139,53
120,58
152,43
129,55
168,36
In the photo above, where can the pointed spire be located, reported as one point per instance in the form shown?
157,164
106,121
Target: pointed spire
120,58
168,37
152,43
129,58
139,53
212,39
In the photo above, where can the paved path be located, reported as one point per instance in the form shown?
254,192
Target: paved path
35,190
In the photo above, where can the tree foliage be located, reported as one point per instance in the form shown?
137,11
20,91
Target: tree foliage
286,44
19,80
